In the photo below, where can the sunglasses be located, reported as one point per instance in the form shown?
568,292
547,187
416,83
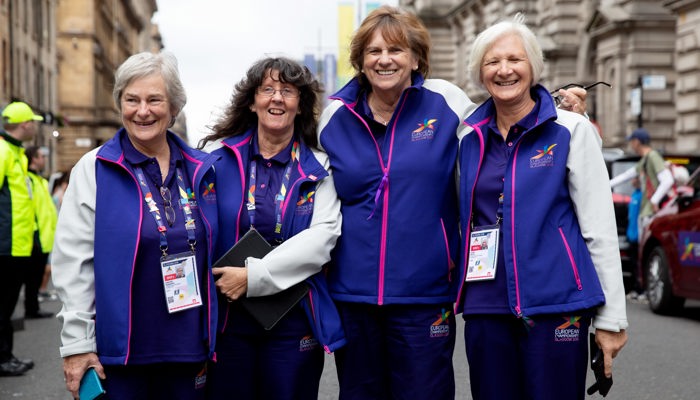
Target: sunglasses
169,210
557,98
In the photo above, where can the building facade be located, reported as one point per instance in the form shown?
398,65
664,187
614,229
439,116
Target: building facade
28,59
647,50
93,38
60,57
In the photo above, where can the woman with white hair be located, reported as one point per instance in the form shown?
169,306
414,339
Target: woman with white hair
137,209
533,185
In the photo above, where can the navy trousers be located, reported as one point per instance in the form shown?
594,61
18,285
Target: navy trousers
163,381
284,363
509,359
396,352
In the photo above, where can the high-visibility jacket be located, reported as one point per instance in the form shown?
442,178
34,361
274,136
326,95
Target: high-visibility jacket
16,210
45,211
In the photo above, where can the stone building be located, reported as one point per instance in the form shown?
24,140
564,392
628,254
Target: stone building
93,38
28,59
60,58
648,50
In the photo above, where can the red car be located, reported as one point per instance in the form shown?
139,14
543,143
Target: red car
670,251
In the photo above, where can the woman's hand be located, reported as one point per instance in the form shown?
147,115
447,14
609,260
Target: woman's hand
610,343
573,99
74,368
232,282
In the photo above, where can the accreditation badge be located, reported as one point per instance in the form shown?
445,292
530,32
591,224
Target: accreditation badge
483,254
180,282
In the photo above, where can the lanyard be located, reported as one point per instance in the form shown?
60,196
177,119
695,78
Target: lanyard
279,199
155,212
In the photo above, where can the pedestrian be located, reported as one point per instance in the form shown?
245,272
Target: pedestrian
137,208
17,221
58,188
655,177
632,233
46,215
392,136
533,181
275,181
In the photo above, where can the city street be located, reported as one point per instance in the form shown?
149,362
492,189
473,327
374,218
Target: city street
660,360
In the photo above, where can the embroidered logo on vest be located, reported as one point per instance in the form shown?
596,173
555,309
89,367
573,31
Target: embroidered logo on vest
425,131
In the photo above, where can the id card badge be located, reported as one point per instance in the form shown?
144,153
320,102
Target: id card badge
180,282
483,254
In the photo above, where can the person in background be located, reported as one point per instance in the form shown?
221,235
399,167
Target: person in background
632,234
533,181
17,222
392,137
139,207
57,190
46,215
271,177
655,177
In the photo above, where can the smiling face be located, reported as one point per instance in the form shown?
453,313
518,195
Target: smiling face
388,66
506,72
146,112
276,112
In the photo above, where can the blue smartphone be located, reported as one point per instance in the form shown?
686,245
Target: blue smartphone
91,386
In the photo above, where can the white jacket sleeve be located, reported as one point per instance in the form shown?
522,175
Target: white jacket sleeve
592,200
303,254
72,260
665,183
623,177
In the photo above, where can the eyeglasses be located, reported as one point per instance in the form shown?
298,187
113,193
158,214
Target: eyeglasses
169,210
287,93
557,98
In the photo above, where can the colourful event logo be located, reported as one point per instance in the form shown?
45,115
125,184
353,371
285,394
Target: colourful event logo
569,331
428,123
425,131
440,327
570,321
543,158
547,151
689,249
306,197
208,188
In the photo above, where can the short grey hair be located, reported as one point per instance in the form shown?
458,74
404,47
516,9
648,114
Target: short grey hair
145,64
488,37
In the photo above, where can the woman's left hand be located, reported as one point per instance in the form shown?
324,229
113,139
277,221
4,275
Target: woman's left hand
610,343
232,282
573,99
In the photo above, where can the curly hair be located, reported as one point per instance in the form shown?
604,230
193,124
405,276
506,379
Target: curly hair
237,118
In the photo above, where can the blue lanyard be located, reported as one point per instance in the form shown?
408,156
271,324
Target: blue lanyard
155,212
279,199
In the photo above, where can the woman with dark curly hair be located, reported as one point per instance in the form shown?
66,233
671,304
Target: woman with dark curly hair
272,178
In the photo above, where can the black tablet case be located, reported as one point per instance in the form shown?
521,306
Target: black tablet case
267,310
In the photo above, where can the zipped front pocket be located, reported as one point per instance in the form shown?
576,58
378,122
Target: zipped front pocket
571,259
450,261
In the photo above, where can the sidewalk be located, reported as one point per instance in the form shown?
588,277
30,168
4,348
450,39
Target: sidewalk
39,341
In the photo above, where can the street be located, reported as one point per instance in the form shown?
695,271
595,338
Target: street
660,360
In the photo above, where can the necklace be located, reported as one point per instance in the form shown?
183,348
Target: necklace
376,115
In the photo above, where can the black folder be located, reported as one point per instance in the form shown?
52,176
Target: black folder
267,310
